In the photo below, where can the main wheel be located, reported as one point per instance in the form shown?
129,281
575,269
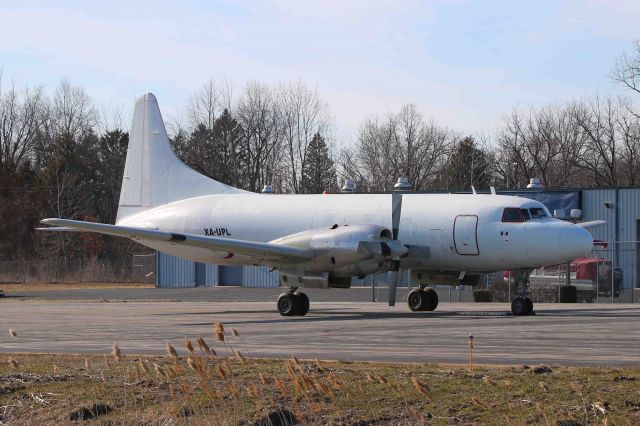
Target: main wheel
430,299
520,307
287,304
415,299
302,302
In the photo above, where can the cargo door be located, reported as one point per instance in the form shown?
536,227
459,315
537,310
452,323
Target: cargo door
465,235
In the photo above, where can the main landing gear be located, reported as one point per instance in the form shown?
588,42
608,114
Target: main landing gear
422,299
522,305
292,303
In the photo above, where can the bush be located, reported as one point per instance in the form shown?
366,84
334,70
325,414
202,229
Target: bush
543,292
568,294
500,290
482,295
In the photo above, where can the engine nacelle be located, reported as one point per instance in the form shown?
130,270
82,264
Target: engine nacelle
324,280
346,250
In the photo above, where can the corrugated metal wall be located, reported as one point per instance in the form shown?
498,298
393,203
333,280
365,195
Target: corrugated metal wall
628,235
212,275
260,276
593,208
174,272
623,251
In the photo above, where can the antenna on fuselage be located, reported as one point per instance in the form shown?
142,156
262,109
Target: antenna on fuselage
473,188
493,190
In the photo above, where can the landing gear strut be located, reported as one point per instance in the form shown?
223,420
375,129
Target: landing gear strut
292,303
422,299
522,305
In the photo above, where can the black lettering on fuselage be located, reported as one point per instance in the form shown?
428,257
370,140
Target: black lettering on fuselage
217,232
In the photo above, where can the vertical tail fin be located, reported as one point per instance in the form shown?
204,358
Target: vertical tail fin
153,174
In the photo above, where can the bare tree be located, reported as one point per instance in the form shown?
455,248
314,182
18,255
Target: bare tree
402,144
208,102
260,118
71,113
546,143
626,70
304,115
22,114
597,120
63,153
629,128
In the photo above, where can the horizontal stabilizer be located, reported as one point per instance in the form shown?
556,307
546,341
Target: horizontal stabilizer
266,251
592,224
59,229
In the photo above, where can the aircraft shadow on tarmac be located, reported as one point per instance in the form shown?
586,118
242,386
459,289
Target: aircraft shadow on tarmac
339,314
333,315
626,312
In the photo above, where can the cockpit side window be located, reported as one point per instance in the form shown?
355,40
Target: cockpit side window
512,215
538,213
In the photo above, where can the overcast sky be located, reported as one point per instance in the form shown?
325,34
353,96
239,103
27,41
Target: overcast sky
463,63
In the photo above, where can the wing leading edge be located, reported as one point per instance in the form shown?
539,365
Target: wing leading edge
267,251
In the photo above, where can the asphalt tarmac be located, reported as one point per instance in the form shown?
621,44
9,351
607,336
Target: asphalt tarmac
357,329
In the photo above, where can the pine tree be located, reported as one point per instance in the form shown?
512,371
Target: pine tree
319,172
468,165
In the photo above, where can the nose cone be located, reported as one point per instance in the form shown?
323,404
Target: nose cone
575,242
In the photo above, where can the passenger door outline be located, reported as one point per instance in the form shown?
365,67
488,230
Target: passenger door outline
465,235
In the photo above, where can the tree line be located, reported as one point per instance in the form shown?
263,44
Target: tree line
59,156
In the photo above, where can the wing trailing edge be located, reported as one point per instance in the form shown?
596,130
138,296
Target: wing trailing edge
267,251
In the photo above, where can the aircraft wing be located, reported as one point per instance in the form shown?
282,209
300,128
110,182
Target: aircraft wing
267,251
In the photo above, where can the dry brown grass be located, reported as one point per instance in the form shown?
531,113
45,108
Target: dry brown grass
202,388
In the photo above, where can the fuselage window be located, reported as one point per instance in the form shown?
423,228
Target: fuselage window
512,215
525,214
537,213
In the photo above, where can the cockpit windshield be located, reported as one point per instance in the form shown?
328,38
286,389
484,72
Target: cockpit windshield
513,214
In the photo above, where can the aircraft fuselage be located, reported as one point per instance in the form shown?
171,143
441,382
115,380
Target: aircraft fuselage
458,231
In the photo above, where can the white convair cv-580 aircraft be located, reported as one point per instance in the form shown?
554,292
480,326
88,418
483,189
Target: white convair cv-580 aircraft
324,240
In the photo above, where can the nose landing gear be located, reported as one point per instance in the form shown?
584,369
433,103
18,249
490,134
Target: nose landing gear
422,299
522,305
293,304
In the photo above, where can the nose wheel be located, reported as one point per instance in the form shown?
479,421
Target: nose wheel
293,304
422,299
522,305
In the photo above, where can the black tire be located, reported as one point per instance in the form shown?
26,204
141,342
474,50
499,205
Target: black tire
529,306
302,304
519,307
415,300
287,305
430,298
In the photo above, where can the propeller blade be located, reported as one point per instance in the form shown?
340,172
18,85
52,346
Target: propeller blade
396,208
393,285
393,278
394,273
